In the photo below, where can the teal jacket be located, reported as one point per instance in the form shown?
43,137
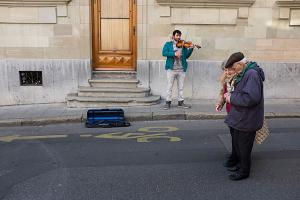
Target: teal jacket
168,51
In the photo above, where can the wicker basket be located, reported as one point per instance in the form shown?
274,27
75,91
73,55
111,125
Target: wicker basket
262,133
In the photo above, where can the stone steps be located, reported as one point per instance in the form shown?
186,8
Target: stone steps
113,92
114,75
112,88
73,100
113,83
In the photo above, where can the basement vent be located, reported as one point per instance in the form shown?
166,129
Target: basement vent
31,78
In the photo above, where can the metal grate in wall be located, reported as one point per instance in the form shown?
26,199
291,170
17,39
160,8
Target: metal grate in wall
31,78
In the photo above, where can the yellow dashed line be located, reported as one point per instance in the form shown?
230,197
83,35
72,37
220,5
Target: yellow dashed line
35,137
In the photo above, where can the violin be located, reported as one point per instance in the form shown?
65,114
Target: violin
186,44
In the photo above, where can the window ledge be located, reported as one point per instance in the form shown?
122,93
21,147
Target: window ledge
207,3
289,3
20,3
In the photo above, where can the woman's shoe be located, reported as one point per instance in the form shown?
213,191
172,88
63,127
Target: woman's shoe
237,176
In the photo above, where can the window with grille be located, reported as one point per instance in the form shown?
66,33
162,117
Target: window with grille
31,78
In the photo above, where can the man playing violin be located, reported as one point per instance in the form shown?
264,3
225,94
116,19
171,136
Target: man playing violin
176,66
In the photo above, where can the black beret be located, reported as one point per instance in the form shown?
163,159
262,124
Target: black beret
235,57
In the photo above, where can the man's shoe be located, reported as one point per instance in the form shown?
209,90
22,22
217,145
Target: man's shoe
233,169
167,106
181,104
237,176
230,163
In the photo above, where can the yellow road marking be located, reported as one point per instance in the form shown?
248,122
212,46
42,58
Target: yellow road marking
34,137
120,135
140,137
148,138
86,135
155,129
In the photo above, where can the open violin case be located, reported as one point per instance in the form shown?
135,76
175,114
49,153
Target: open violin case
106,118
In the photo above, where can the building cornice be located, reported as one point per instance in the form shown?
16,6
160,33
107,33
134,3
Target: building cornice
206,3
20,3
289,3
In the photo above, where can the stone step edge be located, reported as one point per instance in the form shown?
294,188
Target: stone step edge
122,90
75,97
114,72
113,81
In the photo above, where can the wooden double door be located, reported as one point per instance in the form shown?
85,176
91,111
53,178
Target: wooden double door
114,34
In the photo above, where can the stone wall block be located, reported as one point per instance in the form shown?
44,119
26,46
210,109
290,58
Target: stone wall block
62,11
284,13
164,11
295,17
261,55
140,14
62,29
2,53
143,70
60,77
260,17
62,53
156,42
84,2
257,31
154,53
23,15
286,44
84,14
228,16
235,43
282,82
85,46
204,16
243,12
47,15
28,15
180,15
264,44
292,55
4,14
152,14
157,77
24,52
159,30
64,41
4,83
74,14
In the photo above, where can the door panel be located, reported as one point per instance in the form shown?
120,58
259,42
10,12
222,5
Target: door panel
114,38
115,34
115,8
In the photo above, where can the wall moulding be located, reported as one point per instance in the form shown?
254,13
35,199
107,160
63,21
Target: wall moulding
20,3
206,3
289,3
289,10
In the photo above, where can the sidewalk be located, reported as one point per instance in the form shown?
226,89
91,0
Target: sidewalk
42,114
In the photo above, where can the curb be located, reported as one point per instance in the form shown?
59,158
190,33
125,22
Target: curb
39,121
148,116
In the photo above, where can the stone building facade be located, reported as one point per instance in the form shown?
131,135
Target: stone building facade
59,38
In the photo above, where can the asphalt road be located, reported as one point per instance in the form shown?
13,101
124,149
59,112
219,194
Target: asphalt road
165,160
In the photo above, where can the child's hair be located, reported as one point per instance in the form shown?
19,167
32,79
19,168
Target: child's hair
223,65
223,76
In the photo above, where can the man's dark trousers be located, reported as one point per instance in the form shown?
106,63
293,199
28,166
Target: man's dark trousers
243,144
233,158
